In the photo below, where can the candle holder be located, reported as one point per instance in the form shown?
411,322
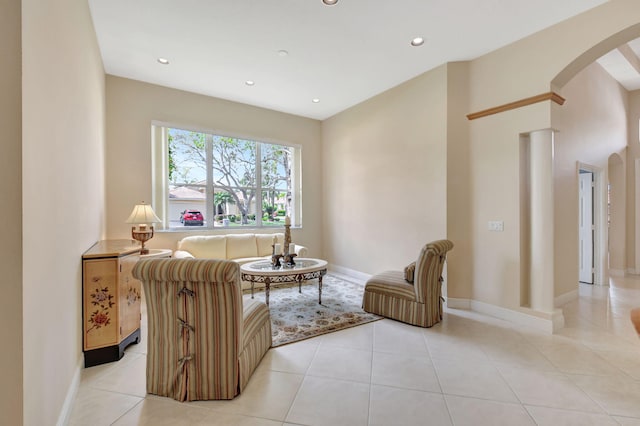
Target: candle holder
275,261
287,237
287,260
275,257
288,257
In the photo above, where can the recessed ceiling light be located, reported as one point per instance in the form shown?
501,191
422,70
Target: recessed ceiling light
315,100
282,53
418,41
249,82
329,2
163,61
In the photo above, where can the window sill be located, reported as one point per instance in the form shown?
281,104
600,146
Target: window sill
222,229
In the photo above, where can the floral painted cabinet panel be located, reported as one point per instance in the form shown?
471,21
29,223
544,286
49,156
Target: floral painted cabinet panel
100,303
111,300
128,297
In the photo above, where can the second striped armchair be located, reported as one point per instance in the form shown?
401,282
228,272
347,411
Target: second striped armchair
418,302
203,341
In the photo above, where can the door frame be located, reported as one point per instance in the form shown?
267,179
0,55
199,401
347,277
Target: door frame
586,229
600,232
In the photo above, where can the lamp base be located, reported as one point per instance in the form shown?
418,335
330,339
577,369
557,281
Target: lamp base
143,236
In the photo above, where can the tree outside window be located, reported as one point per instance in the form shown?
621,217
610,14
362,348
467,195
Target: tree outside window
232,181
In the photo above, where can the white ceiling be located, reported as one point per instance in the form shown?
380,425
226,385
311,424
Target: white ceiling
341,54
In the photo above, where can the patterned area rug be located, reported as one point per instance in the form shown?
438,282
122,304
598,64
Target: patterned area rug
296,316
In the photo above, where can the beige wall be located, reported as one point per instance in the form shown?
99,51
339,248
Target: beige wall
459,200
382,184
11,399
525,68
529,66
131,108
495,176
633,155
63,193
592,125
617,213
371,149
385,176
383,139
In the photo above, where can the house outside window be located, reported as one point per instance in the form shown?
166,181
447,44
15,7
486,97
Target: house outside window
205,180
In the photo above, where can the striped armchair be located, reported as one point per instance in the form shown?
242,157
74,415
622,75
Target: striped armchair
418,303
204,342
635,319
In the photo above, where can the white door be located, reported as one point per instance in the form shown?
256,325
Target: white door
586,227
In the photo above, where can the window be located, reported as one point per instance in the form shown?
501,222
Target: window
207,180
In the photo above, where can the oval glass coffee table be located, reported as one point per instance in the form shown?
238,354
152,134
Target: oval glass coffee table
262,271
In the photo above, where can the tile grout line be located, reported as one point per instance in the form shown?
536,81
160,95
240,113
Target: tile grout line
304,377
128,411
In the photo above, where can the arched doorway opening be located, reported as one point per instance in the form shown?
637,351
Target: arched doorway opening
604,136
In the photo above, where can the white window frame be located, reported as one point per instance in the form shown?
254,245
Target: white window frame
160,180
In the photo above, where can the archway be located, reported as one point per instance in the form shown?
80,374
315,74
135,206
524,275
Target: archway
592,54
597,136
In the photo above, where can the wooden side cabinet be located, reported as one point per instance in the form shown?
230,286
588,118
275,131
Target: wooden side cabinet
111,300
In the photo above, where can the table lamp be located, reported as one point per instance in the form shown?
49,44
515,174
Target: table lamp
142,215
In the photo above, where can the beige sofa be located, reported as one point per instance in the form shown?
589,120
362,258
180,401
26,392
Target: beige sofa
241,248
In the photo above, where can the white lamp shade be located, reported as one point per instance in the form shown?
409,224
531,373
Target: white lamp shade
143,213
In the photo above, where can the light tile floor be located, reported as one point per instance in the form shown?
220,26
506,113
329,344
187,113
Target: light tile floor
468,370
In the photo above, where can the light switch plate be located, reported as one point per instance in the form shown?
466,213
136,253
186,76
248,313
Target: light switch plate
496,225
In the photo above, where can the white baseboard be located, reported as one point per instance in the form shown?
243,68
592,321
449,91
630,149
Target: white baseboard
563,299
547,325
552,323
616,272
633,271
349,272
454,303
72,392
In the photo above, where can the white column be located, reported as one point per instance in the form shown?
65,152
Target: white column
159,179
637,213
542,232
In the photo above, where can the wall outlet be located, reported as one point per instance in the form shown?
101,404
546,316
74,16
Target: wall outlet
496,225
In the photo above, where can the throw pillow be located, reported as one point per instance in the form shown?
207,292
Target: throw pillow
409,270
